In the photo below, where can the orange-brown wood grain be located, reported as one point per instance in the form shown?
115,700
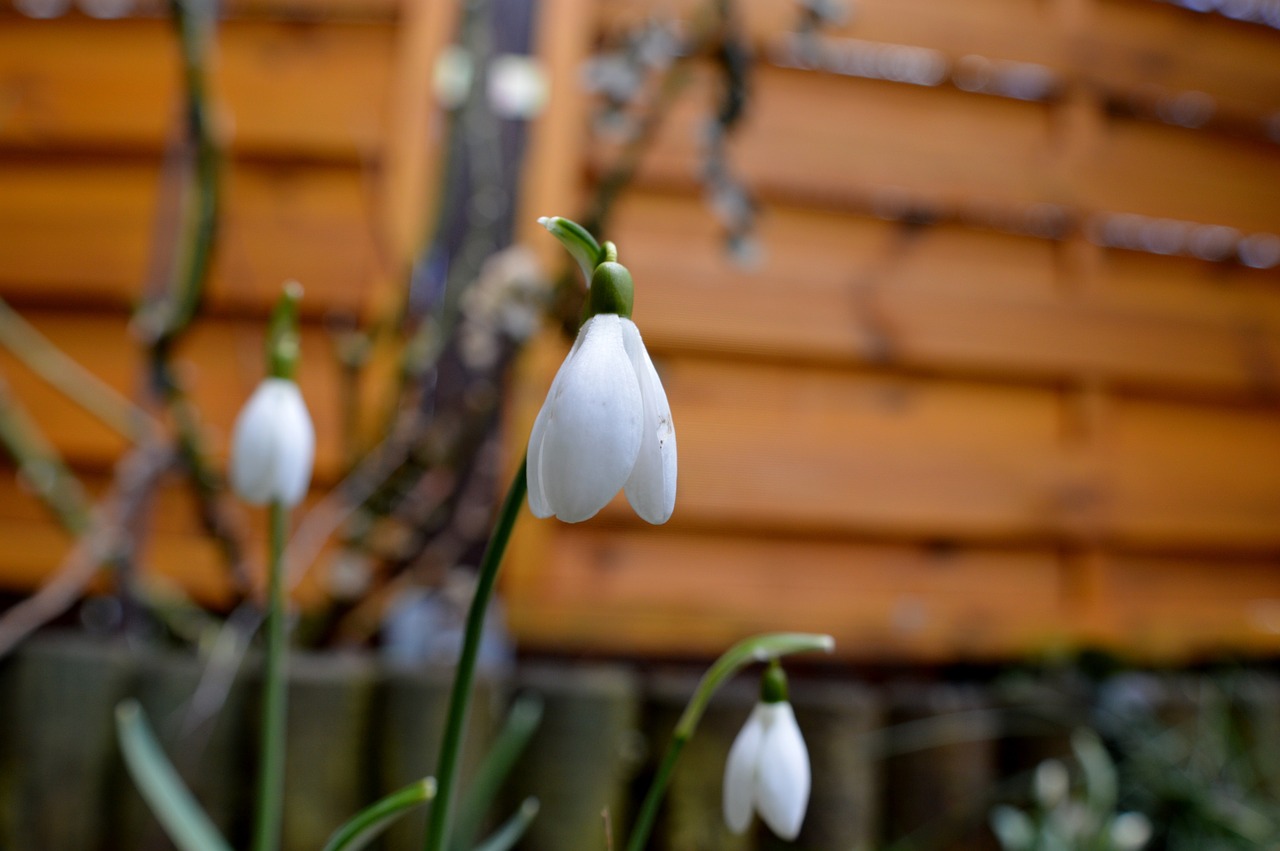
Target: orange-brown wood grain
221,361
295,90
277,220
835,288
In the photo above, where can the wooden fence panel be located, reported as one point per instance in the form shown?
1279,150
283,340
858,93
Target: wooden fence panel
317,91
944,298
275,217
669,593
221,359
833,141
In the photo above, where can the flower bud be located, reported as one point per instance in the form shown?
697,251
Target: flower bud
273,445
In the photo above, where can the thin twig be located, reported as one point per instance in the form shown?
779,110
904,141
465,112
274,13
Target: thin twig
136,475
40,464
70,378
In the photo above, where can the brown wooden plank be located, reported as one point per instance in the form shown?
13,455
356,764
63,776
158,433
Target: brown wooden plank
1157,170
1020,30
1130,49
824,451
221,360
1170,608
828,451
840,142
311,224
1190,476
667,593
314,90
849,289
1139,46
176,555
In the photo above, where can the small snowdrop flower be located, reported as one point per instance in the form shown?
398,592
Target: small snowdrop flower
273,441
606,425
768,767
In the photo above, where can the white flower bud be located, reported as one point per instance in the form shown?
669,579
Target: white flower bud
273,445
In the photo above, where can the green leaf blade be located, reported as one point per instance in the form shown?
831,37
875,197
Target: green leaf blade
158,781
368,824
505,837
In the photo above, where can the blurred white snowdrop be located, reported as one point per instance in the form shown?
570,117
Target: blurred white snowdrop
273,445
606,424
768,767
517,86
273,440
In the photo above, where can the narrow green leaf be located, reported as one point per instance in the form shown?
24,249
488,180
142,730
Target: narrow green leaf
522,721
577,241
369,823
160,785
509,834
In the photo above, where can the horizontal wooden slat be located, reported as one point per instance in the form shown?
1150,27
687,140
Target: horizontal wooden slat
851,289
1163,607
1006,29
1136,45
312,90
1192,476
829,141
837,141
176,554
221,360
1141,167
662,592
1131,49
816,451
667,593
310,224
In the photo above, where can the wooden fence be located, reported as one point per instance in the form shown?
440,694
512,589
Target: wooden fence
1004,379
921,757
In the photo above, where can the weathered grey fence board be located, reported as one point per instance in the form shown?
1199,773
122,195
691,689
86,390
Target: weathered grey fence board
58,756
327,766
210,752
411,710
942,759
582,758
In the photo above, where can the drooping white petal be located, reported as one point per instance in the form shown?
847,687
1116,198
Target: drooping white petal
740,773
538,503
651,487
296,449
782,791
273,445
589,434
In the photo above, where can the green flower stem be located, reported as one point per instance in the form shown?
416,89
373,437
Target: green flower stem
266,831
760,648
438,824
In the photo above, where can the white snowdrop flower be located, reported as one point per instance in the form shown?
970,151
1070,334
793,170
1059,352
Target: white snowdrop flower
273,445
768,767
606,425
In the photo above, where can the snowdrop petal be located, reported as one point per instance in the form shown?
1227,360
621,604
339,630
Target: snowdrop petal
651,488
296,448
590,435
740,773
538,502
782,793
273,445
